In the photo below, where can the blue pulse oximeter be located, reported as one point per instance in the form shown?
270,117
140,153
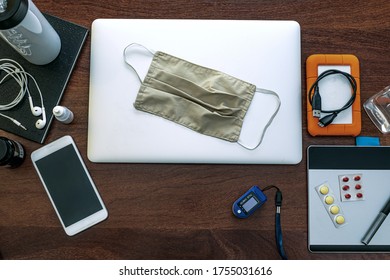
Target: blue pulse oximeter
252,200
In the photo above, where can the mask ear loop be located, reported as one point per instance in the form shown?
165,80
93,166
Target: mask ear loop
128,63
265,91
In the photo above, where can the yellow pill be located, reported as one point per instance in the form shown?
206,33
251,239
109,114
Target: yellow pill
329,200
324,190
340,220
334,209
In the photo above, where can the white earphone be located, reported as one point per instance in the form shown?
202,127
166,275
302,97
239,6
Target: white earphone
35,110
16,71
40,124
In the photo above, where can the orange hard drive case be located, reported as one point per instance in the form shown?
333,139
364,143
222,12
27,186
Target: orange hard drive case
312,64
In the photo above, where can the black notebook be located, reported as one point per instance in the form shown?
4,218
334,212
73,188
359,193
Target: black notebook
52,79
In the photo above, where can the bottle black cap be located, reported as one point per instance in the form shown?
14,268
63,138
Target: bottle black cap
5,153
14,14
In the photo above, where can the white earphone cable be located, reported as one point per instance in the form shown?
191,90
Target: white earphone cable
14,70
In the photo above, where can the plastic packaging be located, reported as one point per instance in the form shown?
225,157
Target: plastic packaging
378,109
24,27
331,204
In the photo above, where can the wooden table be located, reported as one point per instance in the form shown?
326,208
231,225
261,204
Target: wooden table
175,211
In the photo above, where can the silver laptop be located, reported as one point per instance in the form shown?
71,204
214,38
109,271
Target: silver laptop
264,53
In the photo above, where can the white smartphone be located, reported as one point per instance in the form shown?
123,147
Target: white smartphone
69,185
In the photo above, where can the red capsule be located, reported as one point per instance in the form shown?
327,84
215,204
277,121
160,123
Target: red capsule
345,179
357,178
358,187
359,195
345,188
347,196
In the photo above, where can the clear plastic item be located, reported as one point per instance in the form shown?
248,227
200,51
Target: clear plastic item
378,109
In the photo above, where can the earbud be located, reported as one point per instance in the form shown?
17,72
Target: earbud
35,110
40,124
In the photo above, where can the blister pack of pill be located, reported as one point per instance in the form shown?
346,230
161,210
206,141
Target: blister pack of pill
331,204
351,187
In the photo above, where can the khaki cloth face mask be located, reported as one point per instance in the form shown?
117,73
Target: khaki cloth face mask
202,99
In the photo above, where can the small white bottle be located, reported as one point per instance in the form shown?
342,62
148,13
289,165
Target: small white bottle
24,27
63,114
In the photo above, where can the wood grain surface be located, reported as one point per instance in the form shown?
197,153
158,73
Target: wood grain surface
176,211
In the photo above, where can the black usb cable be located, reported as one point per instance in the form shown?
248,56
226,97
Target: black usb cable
315,97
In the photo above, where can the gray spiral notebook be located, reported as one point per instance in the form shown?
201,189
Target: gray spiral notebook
52,79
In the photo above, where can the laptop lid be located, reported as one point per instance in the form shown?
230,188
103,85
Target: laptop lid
264,53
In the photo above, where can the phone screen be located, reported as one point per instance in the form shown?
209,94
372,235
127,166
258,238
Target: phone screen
69,185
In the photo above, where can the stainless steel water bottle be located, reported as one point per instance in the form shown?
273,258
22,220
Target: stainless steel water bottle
24,27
